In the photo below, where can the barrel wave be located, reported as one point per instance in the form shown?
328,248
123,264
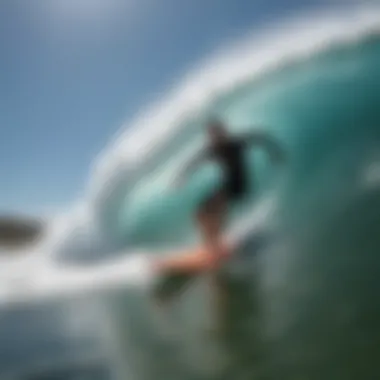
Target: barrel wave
308,306
317,101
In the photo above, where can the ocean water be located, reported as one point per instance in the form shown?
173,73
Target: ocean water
299,304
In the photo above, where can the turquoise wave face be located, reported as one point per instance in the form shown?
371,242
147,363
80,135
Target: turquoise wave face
318,278
319,109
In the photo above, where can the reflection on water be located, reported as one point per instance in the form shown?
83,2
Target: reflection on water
54,340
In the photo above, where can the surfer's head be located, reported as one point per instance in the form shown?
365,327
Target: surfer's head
217,131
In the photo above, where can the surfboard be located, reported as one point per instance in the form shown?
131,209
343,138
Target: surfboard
193,260
176,271
166,275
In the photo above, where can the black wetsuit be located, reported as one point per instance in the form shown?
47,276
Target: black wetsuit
231,157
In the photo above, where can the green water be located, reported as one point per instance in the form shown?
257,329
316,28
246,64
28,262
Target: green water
310,310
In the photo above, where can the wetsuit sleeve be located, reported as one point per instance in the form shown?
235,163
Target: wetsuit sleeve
266,141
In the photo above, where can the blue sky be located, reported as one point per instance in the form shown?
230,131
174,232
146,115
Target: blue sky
72,71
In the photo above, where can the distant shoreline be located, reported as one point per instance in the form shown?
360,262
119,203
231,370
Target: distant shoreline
17,231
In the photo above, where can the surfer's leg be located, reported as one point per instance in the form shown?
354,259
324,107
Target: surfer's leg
210,219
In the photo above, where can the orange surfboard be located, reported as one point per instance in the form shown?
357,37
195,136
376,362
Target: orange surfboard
193,260
177,271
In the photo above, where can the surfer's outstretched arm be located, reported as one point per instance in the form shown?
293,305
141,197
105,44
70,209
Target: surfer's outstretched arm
266,141
192,165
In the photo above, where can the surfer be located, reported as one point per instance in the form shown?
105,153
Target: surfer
228,151
178,271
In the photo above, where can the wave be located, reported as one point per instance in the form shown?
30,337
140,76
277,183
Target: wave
144,156
259,54
146,153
